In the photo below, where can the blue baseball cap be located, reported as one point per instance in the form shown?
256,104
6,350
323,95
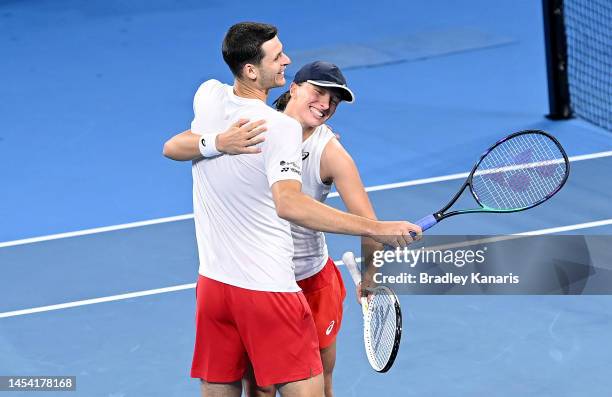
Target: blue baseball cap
325,74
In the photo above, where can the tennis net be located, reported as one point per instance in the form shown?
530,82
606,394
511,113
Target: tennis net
579,55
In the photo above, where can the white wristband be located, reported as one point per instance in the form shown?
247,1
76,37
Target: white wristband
207,146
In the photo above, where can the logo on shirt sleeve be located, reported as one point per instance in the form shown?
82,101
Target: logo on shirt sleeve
291,166
305,155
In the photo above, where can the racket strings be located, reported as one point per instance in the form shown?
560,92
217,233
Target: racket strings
382,328
519,172
518,180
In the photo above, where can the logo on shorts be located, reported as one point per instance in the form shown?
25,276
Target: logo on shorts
330,328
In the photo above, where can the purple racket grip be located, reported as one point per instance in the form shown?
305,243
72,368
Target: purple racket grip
427,222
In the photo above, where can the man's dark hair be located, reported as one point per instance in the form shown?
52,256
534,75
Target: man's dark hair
242,44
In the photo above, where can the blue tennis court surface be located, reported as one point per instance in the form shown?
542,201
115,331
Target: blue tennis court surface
92,90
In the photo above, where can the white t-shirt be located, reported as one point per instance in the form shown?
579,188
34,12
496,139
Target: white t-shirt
309,245
241,239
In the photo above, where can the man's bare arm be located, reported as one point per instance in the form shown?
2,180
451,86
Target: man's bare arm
241,138
183,147
301,209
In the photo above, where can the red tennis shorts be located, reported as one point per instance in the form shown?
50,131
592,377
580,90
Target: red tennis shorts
325,293
273,330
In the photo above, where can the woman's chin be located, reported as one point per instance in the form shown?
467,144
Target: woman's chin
314,123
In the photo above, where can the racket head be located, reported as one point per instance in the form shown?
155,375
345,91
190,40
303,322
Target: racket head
382,328
519,172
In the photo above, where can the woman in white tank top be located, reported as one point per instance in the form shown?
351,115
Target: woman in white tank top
312,99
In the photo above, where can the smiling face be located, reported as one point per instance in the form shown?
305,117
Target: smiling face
270,72
312,105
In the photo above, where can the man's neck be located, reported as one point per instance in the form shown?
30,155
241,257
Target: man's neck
246,89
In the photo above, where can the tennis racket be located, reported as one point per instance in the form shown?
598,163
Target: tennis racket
519,172
382,321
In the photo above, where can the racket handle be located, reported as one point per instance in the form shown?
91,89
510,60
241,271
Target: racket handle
425,223
349,260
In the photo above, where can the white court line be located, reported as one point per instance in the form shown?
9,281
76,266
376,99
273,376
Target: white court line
388,186
462,175
97,300
539,232
523,166
96,230
568,228
112,298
